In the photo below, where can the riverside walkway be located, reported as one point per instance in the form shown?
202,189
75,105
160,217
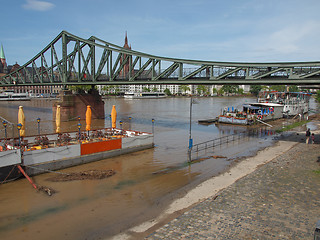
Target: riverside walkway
279,200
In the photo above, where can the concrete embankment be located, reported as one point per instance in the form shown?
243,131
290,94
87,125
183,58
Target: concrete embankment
273,195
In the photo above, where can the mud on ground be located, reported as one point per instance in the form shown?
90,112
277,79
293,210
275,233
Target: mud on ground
85,175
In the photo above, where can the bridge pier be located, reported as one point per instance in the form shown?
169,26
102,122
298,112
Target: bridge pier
75,105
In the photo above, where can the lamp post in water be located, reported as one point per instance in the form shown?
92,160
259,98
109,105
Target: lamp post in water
38,121
130,123
153,126
190,137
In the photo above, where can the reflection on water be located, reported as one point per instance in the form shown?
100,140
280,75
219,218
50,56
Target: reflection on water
144,183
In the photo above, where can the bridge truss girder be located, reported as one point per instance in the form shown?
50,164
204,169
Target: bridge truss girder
71,60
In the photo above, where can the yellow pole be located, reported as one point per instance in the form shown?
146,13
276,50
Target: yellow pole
114,116
22,120
58,119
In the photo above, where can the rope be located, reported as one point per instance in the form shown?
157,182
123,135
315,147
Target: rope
8,174
46,170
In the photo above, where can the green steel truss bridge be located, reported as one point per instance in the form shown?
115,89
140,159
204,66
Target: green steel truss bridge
71,60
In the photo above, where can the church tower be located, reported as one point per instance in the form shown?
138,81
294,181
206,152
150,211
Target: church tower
3,63
125,71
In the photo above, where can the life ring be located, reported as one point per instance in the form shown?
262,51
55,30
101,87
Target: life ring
259,112
259,117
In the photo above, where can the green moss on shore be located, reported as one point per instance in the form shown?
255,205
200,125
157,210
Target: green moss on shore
292,126
317,172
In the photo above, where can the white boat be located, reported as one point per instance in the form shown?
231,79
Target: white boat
145,95
294,103
10,95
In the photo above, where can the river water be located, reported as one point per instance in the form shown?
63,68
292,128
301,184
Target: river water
145,182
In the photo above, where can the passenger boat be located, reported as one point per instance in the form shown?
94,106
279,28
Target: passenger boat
10,95
131,95
294,103
57,151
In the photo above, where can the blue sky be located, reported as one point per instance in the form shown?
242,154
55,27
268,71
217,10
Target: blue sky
217,30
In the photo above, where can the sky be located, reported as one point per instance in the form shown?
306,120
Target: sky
211,30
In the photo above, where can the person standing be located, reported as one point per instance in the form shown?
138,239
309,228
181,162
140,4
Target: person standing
308,133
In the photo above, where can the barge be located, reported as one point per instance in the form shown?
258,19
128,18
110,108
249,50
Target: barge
271,105
252,113
57,151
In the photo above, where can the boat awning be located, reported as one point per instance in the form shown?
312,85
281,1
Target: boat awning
267,104
251,107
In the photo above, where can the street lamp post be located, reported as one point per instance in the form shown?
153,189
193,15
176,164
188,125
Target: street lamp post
38,121
190,138
130,123
110,121
79,127
152,125
5,129
19,126
120,126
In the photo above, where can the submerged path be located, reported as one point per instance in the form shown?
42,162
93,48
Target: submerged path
279,200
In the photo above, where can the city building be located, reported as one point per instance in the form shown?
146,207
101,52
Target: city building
34,91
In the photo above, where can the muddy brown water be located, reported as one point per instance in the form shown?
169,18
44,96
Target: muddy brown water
145,182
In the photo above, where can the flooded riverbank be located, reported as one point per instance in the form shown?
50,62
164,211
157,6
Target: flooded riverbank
92,209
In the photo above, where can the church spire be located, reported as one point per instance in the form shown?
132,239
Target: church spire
2,53
126,45
126,39
3,64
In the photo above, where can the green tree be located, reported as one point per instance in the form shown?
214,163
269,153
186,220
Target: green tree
240,91
230,88
80,88
201,89
294,88
220,92
214,90
318,96
278,88
145,89
184,88
154,89
255,89
167,91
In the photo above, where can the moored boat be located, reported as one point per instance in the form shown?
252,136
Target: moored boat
10,95
131,95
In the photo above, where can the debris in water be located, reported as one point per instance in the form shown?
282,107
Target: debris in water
47,190
205,158
90,175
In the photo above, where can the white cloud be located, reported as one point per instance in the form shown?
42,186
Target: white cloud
38,5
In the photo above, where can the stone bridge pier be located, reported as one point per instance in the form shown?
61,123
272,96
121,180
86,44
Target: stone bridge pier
75,105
